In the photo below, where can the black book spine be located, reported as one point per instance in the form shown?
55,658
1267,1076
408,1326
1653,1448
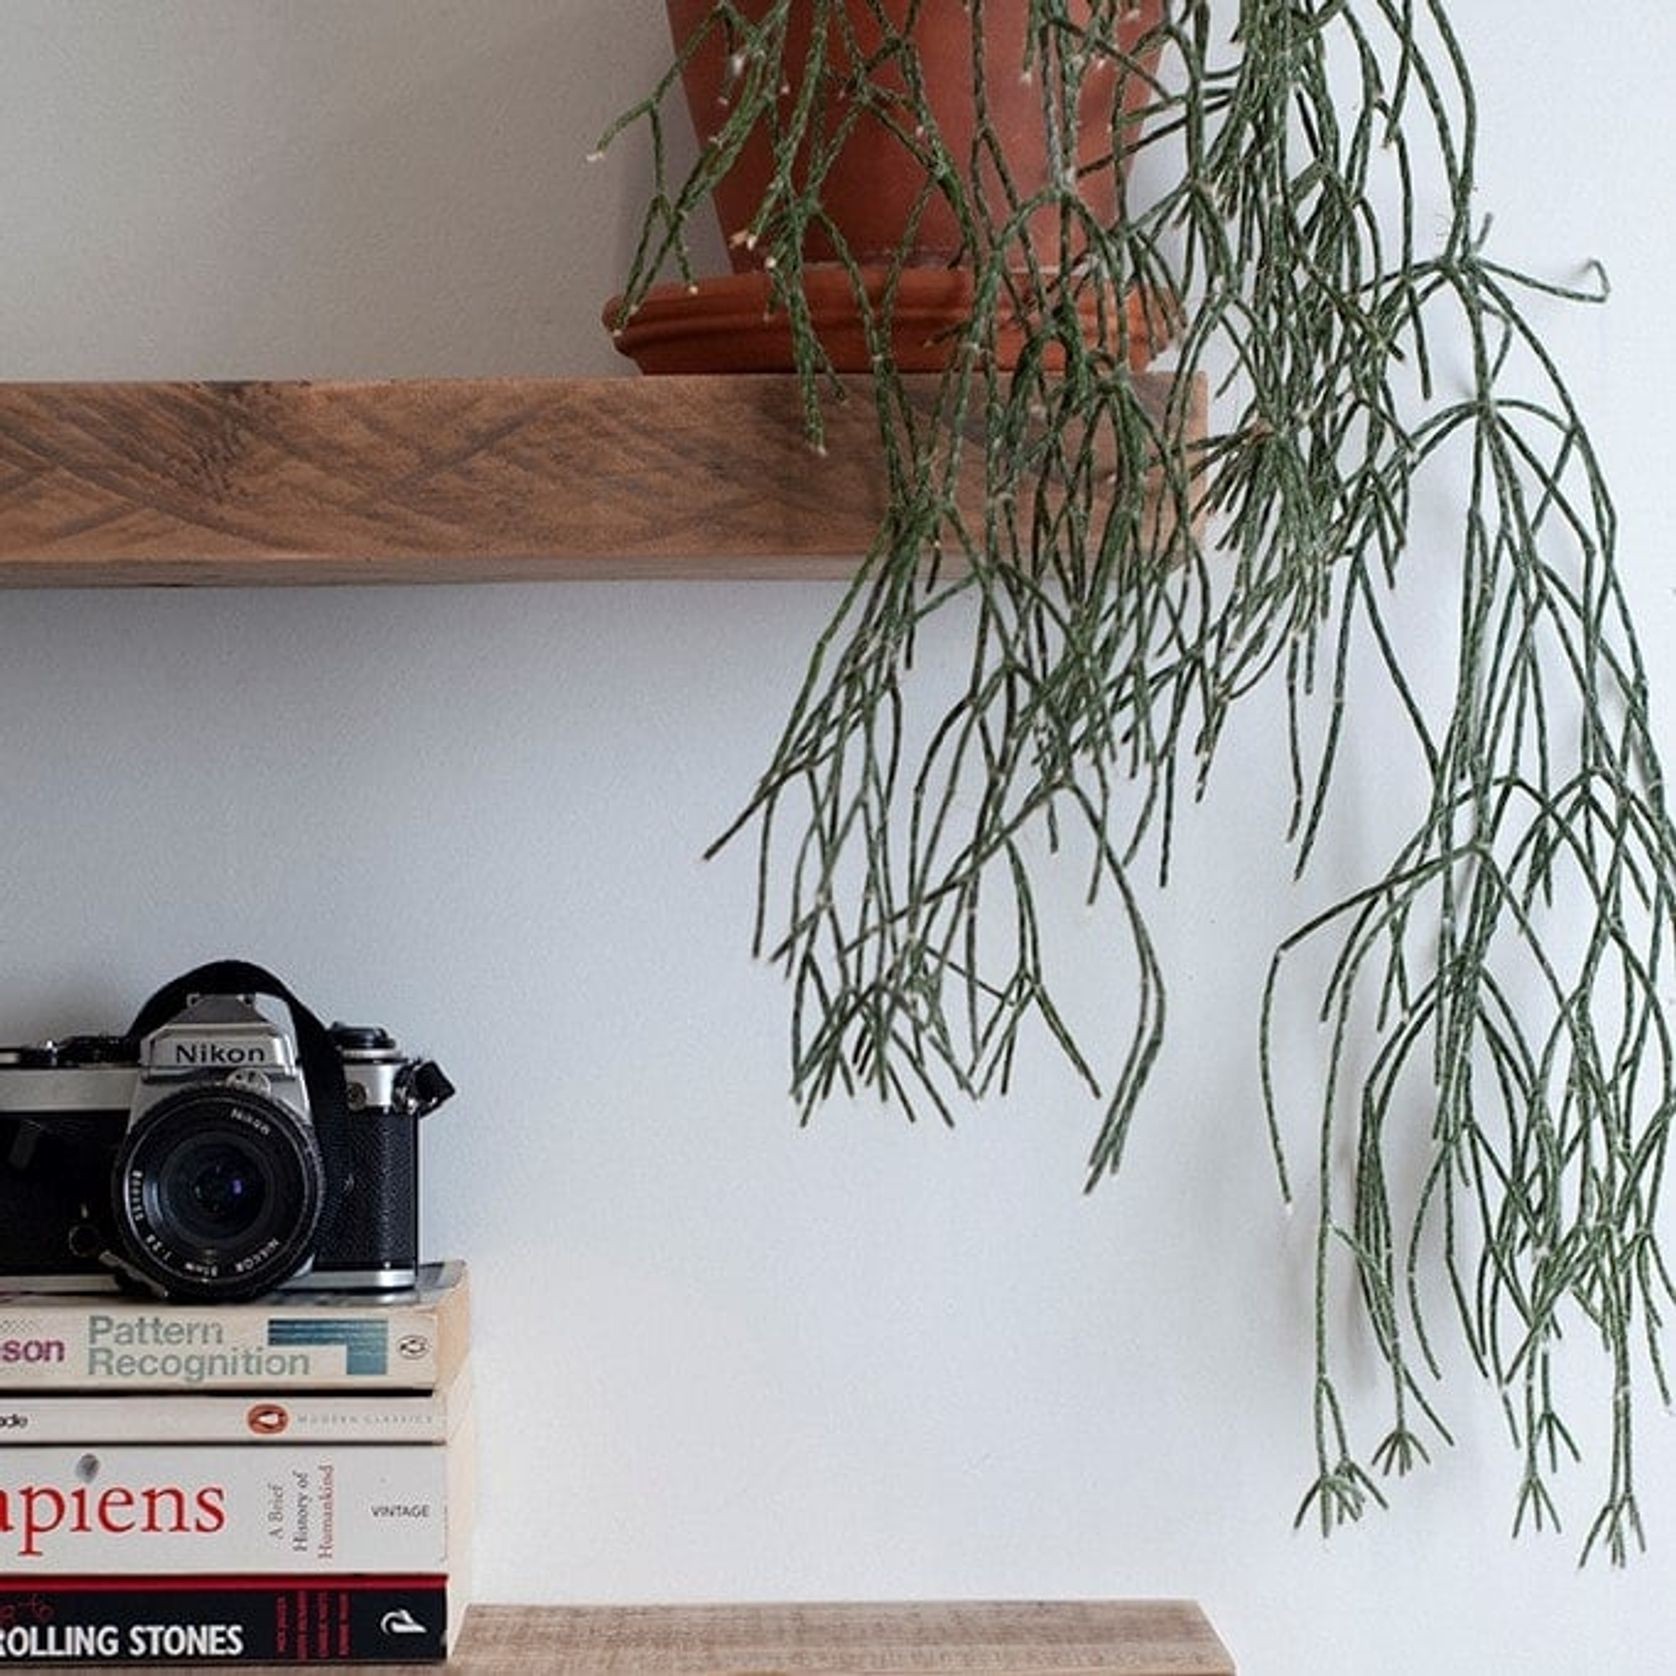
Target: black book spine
223,1620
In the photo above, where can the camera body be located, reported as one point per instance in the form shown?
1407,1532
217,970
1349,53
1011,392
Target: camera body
210,1158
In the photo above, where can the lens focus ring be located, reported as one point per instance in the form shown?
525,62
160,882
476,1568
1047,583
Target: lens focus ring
217,1193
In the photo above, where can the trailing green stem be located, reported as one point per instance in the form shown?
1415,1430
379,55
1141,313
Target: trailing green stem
1493,1014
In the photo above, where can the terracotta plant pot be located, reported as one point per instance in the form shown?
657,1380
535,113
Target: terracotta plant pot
875,181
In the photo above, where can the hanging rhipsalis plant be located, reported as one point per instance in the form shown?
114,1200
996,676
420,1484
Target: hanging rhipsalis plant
1285,189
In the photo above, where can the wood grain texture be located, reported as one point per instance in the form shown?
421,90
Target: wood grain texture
1134,1638
433,480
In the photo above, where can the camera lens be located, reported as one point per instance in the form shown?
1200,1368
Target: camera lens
218,1193
214,1190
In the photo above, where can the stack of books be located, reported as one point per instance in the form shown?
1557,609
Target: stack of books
284,1480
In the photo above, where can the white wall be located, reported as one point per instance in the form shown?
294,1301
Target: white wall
719,1357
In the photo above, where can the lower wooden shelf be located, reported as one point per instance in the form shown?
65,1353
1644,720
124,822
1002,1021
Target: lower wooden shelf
1034,1638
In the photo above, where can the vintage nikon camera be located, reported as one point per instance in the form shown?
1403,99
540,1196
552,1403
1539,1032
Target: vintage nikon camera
209,1153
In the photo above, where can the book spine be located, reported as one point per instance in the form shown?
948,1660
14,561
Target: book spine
90,1344
222,1619
177,1417
283,1508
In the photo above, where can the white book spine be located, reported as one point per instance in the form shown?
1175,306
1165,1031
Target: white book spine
146,1510
252,1417
293,1341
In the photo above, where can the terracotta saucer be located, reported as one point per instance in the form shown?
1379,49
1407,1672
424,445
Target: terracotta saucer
728,324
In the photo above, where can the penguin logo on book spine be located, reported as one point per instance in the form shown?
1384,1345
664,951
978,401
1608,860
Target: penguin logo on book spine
268,1419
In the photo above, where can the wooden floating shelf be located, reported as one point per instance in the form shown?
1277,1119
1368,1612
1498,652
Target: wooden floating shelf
469,480
1054,1638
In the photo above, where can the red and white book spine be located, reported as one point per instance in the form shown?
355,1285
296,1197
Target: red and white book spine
225,1619
281,1508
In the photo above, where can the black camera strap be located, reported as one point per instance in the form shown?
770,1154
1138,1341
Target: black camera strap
322,1066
